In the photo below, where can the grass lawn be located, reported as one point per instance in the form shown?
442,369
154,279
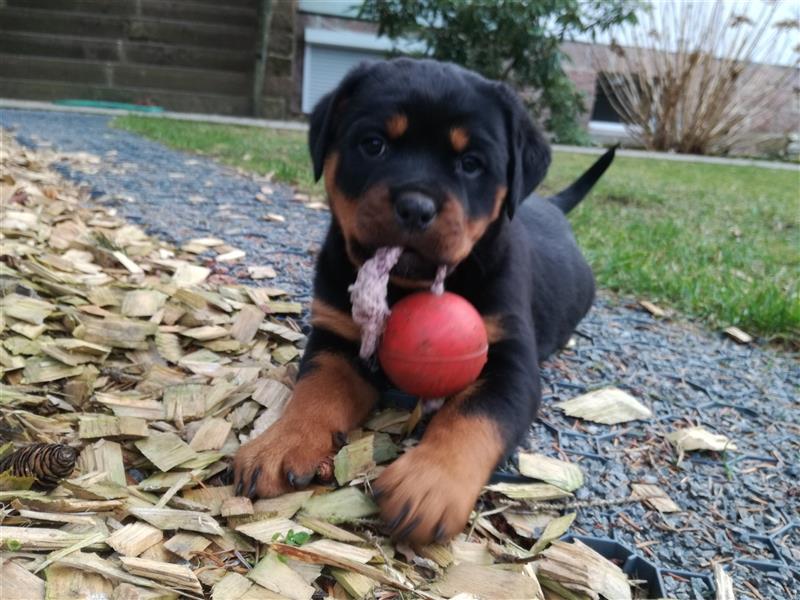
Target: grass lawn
720,243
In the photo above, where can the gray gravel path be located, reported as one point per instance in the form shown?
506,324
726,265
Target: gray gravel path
178,196
738,507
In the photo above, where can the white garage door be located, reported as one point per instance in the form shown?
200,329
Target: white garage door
325,66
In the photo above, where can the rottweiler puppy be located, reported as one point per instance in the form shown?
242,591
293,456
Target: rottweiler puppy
436,159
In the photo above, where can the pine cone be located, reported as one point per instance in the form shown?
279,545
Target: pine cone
325,470
47,463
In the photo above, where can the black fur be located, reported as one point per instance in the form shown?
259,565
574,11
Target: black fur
526,268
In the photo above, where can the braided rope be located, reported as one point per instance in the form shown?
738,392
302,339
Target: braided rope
368,296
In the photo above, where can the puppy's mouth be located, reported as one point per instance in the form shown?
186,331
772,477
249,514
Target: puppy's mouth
411,265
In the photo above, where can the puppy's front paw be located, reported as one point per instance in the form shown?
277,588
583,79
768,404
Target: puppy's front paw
282,459
427,497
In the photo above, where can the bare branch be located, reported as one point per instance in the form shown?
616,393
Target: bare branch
688,78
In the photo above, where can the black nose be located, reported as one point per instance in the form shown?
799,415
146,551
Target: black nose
414,210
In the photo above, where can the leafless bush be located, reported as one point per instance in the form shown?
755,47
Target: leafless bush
689,77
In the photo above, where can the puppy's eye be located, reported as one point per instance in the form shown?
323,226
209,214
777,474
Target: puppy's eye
470,164
373,146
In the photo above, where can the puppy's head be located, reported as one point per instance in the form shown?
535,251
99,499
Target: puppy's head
423,155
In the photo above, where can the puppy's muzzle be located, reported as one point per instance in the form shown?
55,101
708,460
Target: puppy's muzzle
414,210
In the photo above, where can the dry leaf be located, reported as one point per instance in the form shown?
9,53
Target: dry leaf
699,438
568,476
608,405
738,335
654,497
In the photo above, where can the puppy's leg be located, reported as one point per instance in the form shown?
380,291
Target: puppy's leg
331,397
428,493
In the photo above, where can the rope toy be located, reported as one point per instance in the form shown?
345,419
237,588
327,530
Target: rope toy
368,296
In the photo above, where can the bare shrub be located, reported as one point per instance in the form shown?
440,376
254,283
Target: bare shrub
690,77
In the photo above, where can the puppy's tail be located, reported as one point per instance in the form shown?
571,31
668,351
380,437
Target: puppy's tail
568,198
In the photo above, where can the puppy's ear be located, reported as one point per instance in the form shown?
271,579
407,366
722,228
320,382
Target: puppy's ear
321,133
528,150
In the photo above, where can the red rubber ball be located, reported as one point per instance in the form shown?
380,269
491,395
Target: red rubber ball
433,346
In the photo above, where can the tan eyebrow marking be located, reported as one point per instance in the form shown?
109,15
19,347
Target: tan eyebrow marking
396,125
459,138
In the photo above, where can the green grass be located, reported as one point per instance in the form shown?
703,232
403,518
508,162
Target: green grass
261,151
717,242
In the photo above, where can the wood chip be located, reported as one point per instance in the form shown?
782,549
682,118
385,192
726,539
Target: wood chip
186,545
41,369
328,530
94,426
355,584
340,506
211,435
285,353
19,583
474,553
165,450
92,563
134,539
487,582
65,582
262,272
26,309
270,530
232,586
142,303
284,506
723,583
231,256
173,576
128,263
205,333
104,456
41,538
579,568
210,497
247,324
324,558
608,405
362,455
347,551
236,506
132,404
116,332
185,401
187,275
168,519
275,575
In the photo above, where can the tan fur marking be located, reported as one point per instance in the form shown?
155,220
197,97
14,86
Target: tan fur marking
459,138
456,234
494,328
330,398
333,393
438,482
396,125
343,208
325,316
